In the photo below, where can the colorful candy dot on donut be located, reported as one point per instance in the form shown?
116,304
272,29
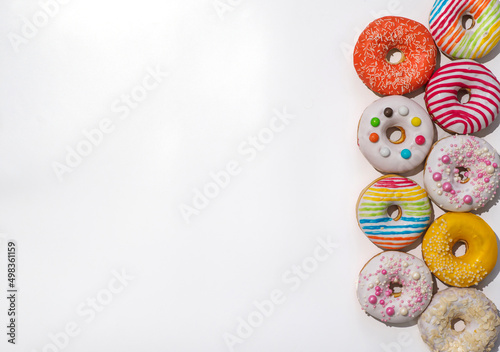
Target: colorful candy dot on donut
446,159
415,276
382,302
420,140
447,187
437,176
388,112
406,154
372,299
375,122
395,133
416,121
468,199
390,311
403,311
403,110
385,152
490,169
388,293
374,138
384,272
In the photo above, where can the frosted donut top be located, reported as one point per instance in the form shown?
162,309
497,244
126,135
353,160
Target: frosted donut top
462,173
387,153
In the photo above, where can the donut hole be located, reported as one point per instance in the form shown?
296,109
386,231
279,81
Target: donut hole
467,21
395,56
463,95
394,212
396,289
395,134
458,324
463,174
459,248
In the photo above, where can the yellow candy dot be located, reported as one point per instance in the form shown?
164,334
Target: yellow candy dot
416,121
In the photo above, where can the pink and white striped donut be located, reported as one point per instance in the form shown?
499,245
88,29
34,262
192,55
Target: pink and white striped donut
469,77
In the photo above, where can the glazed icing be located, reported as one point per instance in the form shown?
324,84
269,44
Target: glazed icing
377,295
450,34
461,173
480,315
415,43
477,262
416,128
414,211
441,97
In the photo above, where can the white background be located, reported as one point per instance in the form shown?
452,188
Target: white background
119,209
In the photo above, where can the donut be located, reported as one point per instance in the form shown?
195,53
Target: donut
395,34
392,154
473,308
481,249
461,173
394,287
455,38
413,206
470,78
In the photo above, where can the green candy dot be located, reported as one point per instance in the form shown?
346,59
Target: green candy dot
375,121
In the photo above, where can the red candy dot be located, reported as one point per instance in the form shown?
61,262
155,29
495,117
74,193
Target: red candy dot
420,140
374,138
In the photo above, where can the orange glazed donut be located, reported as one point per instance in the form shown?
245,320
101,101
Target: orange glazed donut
380,40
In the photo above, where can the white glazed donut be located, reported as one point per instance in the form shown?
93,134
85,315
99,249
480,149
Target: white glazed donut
468,76
473,308
395,113
452,34
377,282
462,173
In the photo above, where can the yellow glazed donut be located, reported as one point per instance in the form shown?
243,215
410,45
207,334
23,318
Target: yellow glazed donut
481,249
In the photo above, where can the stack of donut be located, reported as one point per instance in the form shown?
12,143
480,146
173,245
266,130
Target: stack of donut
461,172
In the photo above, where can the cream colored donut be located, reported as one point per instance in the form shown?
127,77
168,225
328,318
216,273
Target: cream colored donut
462,173
376,290
395,113
478,313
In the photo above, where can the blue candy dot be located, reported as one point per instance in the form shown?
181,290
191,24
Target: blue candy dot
406,154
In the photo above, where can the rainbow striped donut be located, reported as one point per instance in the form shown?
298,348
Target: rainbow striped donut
448,26
472,78
411,201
